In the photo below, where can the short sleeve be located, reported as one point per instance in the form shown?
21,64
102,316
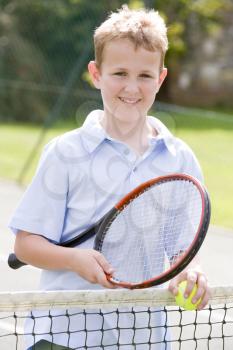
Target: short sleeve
42,208
191,164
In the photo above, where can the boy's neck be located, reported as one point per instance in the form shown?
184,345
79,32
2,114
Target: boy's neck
136,136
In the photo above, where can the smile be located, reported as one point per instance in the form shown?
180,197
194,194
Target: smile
130,101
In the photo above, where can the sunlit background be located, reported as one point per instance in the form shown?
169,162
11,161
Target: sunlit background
45,88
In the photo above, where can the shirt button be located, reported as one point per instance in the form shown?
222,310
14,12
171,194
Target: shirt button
126,151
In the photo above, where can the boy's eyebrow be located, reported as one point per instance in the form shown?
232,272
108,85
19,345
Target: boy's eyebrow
119,68
146,71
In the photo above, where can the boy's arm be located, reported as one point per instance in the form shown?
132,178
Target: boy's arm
38,251
193,273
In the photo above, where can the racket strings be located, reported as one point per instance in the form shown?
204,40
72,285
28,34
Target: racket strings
153,230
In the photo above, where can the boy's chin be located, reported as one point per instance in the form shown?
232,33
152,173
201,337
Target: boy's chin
129,114
128,119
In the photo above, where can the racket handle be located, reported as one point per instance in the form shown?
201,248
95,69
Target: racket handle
14,262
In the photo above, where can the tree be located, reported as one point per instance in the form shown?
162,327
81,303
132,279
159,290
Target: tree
21,65
49,38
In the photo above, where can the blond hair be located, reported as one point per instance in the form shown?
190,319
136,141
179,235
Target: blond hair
144,28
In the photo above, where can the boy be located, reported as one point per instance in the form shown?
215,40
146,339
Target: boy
83,173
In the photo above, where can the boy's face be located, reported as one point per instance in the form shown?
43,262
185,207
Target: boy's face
128,79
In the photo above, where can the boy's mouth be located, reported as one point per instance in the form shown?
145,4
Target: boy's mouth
130,101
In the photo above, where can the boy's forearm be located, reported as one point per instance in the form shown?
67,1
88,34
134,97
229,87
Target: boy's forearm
37,251
87,263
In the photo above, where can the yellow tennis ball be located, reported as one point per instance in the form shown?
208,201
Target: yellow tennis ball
186,303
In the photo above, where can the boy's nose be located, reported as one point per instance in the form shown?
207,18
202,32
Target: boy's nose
131,86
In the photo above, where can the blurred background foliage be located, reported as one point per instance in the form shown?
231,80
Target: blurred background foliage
44,50
45,47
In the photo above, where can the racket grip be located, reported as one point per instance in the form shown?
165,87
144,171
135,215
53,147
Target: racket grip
14,262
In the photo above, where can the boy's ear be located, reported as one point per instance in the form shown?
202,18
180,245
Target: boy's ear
94,74
162,77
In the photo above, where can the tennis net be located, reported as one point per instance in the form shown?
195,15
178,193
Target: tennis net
114,319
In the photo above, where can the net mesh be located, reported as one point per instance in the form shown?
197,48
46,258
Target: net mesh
114,319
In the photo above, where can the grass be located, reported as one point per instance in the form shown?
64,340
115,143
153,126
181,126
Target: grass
210,135
213,149
16,144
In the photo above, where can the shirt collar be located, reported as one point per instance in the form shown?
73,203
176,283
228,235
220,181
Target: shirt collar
93,134
164,134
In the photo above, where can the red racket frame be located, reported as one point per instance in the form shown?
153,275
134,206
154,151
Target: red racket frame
186,258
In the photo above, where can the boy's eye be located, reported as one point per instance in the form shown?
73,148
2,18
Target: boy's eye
124,74
146,76
120,74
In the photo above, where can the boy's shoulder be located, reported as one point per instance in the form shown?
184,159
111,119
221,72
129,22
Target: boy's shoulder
65,149
80,140
67,140
173,142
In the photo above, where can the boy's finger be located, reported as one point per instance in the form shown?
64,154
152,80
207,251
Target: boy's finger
105,283
101,277
191,281
202,288
104,269
174,283
107,268
173,287
204,300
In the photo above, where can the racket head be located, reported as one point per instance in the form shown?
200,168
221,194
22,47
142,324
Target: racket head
171,200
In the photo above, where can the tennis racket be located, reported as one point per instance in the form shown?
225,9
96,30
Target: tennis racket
154,232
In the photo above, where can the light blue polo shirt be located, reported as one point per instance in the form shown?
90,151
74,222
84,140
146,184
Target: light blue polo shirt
80,176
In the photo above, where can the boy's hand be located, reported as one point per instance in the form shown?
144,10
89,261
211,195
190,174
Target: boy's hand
192,275
38,251
92,266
